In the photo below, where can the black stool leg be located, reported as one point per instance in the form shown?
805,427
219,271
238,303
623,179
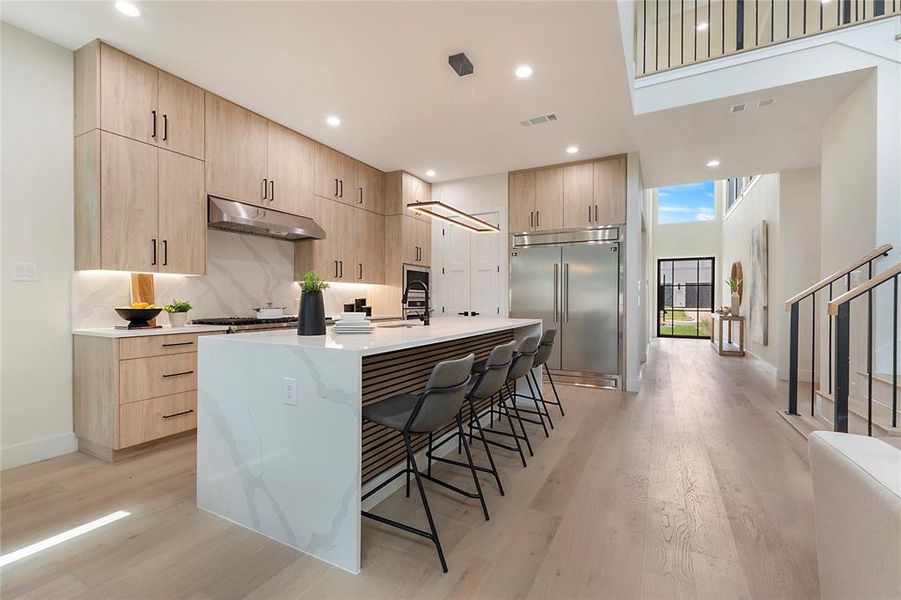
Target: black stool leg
554,387
502,403
474,417
537,406
408,476
472,469
425,502
429,456
512,396
541,399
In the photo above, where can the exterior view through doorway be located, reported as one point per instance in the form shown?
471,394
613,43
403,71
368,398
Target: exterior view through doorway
684,297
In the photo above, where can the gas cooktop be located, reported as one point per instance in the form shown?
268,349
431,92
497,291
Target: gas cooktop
236,324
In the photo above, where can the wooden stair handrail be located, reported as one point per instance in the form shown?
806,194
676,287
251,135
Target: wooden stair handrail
880,251
863,288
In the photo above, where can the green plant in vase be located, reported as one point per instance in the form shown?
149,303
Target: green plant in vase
735,288
311,320
178,312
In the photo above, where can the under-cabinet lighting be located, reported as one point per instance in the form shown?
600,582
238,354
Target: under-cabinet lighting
128,9
61,537
430,208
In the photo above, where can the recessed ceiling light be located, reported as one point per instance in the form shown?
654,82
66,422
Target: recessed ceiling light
430,173
523,71
702,26
713,163
333,121
572,149
128,9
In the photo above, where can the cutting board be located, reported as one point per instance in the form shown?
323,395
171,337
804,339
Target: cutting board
142,290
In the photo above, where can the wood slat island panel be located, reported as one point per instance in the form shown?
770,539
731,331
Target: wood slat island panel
407,371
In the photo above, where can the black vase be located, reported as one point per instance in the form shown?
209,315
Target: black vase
311,320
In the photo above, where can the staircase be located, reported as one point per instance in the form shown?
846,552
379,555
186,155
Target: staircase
872,407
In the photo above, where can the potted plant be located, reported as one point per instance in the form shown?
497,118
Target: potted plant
178,312
735,285
311,320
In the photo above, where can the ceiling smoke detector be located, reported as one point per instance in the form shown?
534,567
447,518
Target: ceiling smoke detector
461,65
548,118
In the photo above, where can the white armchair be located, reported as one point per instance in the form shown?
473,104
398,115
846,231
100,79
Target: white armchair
857,505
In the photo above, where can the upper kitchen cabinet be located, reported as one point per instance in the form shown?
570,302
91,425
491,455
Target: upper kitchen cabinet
137,207
549,199
578,195
522,201
336,175
610,191
291,160
236,152
120,94
370,189
333,257
402,189
181,107
369,237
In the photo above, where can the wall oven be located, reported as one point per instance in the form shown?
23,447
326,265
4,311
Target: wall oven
416,300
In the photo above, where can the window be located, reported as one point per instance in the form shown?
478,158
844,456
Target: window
735,189
684,297
686,203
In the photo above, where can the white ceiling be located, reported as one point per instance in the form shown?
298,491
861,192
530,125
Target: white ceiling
382,67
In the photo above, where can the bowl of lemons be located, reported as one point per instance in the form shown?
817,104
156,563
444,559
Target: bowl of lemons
138,314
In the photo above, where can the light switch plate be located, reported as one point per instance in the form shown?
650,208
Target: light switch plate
25,272
290,391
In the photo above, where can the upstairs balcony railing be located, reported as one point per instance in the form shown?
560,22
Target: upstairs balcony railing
674,33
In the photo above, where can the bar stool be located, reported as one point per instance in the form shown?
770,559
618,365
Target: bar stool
486,383
522,362
526,371
421,414
544,352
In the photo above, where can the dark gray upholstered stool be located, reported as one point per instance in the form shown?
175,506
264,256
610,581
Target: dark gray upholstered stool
544,352
422,414
485,384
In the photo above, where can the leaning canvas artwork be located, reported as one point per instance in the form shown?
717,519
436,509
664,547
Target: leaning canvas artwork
757,319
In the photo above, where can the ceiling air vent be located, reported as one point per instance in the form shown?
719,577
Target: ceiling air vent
766,102
738,108
548,118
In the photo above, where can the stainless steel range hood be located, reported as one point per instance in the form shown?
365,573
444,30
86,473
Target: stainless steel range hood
230,215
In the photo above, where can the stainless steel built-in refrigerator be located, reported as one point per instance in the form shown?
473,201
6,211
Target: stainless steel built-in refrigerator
572,281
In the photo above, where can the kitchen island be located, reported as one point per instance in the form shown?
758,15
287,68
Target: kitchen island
281,447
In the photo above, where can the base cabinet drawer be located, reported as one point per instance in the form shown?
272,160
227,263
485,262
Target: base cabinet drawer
143,378
151,419
157,345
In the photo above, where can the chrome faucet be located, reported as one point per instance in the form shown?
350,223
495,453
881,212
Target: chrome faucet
424,317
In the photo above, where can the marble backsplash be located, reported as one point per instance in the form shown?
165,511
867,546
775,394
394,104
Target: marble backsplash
243,272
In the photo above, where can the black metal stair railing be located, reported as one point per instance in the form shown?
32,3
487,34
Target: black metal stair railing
793,305
840,309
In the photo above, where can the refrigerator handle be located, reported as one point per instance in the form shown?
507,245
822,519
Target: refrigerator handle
566,292
556,288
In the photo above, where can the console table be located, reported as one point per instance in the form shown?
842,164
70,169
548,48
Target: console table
727,347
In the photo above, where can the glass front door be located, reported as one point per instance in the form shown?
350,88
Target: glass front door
684,297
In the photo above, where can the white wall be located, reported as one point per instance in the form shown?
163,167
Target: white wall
36,225
635,297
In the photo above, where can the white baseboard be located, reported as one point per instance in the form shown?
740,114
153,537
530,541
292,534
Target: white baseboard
762,364
32,451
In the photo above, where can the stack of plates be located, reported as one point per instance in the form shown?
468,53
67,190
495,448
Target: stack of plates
353,323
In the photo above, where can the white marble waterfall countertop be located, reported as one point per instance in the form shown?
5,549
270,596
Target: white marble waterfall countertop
387,337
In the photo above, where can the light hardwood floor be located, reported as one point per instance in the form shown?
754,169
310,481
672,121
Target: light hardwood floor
693,488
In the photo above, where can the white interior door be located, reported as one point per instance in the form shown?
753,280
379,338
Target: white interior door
456,281
485,274
469,279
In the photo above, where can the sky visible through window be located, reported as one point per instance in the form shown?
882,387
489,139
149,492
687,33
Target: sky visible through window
683,203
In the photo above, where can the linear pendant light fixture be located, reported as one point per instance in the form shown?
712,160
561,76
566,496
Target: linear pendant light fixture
471,223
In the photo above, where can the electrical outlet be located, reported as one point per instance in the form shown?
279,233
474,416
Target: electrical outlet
290,391
25,272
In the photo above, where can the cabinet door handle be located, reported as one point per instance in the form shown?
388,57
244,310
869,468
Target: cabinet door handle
341,182
263,190
336,269
179,414
341,265
165,127
361,196
153,126
537,218
153,261
531,218
589,213
336,187
271,190
595,213
178,344
165,252
179,374
361,271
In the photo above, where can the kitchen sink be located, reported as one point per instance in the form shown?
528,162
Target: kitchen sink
397,325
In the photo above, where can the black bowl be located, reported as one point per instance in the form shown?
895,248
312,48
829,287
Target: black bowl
138,317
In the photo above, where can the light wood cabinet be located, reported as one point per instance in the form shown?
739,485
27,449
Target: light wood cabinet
138,207
336,175
182,214
131,391
410,240
128,96
333,257
236,152
610,191
370,189
521,196
578,195
424,237
181,108
402,189
369,235
549,199
291,163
